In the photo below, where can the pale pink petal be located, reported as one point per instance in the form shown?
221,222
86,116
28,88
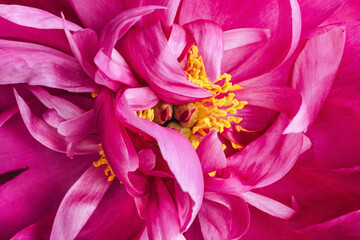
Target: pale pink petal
79,204
268,205
243,36
183,162
156,63
33,17
178,39
147,160
52,118
210,41
24,63
101,79
211,154
141,100
316,67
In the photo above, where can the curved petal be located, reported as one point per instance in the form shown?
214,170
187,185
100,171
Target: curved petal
243,36
155,62
211,154
97,13
278,48
115,141
79,203
210,41
223,217
118,26
39,65
175,148
269,157
178,39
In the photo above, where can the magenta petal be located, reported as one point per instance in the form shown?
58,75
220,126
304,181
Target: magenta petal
117,70
79,203
33,17
25,63
278,48
115,141
344,227
159,66
116,214
318,63
178,39
269,157
147,160
210,41
223,217
175,148
141,100
211,154
96,14
52,118
268,205
243,36
118,26
161,217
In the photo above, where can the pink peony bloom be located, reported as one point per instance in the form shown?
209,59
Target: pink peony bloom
179,119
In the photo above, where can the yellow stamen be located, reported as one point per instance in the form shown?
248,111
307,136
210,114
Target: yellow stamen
147,114
94,94
212,174
213,111
103,161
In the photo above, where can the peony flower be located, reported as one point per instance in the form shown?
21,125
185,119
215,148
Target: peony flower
196,120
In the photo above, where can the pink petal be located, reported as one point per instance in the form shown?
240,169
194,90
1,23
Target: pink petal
211,154
147,160
223,217
159,67
118,26
210,41
269,157
117,70
178,39
161,216
52,118
318,63
115,141
141,100
96,14
79,203
175,148
33,17
268,205
117,216
278,48
39,65
243,36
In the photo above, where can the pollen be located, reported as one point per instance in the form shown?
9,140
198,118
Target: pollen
103,161
217,111
147,114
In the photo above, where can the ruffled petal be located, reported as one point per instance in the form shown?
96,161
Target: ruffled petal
210,153
79,204
210,41
39,65
175,148
156,63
